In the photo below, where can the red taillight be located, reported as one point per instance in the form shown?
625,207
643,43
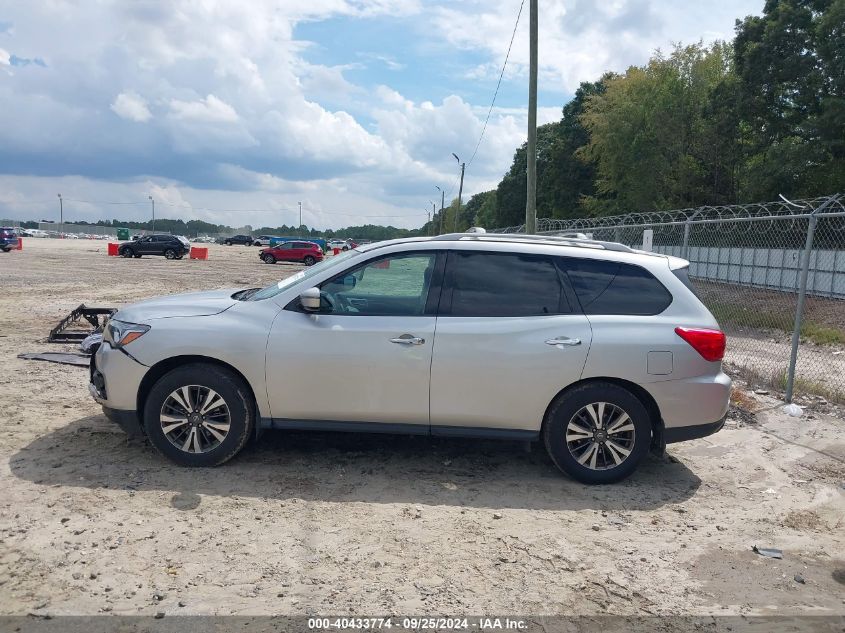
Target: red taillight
709,343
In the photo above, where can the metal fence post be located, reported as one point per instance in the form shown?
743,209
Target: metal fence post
685,247
802,294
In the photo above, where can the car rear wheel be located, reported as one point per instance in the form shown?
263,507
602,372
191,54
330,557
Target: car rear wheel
269,259
256,243
199,415
309,260
345,248
597,433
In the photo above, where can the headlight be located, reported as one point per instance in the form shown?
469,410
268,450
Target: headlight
120,333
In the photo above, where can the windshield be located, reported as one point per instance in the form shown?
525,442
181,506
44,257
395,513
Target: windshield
316,269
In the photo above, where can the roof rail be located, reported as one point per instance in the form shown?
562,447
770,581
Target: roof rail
522,237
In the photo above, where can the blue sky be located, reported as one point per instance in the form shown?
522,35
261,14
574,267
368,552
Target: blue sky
234,112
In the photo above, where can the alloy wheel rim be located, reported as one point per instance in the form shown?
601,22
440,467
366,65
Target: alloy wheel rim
600,436
195,419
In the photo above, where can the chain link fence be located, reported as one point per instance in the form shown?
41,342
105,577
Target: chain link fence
760,269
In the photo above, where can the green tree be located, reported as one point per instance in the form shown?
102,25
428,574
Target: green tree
790,66
652,133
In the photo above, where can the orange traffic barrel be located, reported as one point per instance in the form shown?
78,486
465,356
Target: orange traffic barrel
113,249
20,244
335,251
198,253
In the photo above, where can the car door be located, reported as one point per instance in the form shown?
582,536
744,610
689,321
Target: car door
508,340
366,357
284,252
144,245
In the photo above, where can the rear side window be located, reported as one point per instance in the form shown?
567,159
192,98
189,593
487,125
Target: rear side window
604,287
683,275
502,285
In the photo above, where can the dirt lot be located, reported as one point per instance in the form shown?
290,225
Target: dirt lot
327,523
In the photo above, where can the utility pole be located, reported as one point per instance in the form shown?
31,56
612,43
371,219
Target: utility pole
61,218
299,228
460,190
531,172
153,202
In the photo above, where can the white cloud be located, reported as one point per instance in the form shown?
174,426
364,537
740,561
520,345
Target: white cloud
129,105
236,116
208,110
579,40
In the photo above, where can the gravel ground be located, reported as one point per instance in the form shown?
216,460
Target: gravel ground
91,522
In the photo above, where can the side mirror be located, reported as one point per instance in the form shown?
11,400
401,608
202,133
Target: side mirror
310,299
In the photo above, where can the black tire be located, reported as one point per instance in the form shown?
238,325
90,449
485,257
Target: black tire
231,389
345,248
309,260
564,410
126,252
180,256
169,254
137,255
228,243
6,249
256,243
269,259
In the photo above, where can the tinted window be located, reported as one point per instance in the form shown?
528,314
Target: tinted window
301,245
502,285
683,275
606,287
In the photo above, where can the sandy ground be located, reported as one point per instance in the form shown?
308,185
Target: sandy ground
91,522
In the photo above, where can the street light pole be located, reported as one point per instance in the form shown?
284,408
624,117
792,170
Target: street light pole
61,218
442,204
531,171
460,190
154,212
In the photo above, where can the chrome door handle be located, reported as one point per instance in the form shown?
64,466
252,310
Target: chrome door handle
563,341
408,339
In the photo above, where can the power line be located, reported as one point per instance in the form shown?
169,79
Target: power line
493,102
498,84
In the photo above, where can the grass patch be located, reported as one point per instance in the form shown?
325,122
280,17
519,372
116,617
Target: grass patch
732,314
776,381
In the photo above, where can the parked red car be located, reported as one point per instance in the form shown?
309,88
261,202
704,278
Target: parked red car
306,252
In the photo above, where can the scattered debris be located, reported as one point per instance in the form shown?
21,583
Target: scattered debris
800,579
769,552
61,333
497,515
793,410
64,358
761,392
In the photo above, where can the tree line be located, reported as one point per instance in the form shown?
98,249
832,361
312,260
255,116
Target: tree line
724,123
193,228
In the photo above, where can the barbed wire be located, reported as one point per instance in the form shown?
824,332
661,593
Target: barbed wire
823,205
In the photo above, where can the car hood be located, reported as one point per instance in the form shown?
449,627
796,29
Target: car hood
182,305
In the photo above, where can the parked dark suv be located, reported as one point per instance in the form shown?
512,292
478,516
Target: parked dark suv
171,246
239,239
8,239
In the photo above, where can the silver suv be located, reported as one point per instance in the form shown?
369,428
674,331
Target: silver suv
600,351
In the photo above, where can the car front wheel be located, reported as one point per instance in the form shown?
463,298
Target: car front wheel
199,415
126,252
269,259
170,254
597,433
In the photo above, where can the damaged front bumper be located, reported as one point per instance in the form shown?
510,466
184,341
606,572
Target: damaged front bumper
114,380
